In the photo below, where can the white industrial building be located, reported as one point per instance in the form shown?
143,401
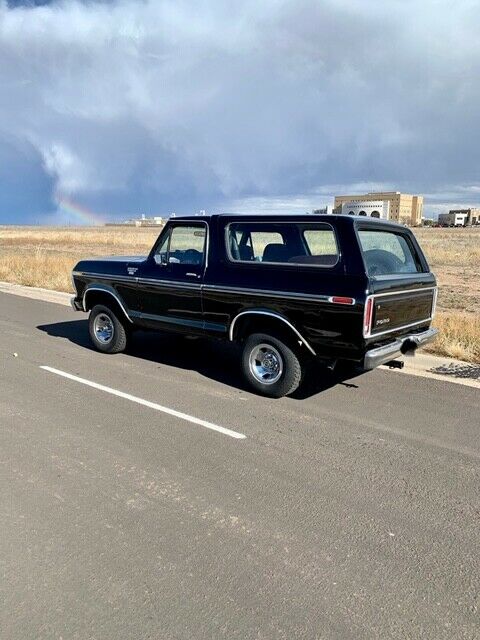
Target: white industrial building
369,208
155,221
453,219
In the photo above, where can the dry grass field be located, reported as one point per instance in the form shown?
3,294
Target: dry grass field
44,257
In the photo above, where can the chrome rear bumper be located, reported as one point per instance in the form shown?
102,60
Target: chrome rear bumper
398,347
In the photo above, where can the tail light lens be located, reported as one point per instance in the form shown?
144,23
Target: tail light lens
367,316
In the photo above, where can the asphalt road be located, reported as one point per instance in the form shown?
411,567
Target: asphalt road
350,511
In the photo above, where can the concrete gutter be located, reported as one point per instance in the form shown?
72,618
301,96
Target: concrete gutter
426,365
422,364
36,293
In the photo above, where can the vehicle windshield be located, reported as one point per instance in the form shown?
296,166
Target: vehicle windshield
387,253
282,243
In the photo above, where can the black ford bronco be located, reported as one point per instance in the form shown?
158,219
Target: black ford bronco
286,288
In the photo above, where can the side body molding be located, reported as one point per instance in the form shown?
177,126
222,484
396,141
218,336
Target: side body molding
111,292
273,315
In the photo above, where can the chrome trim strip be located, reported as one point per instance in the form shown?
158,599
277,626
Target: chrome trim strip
399,293
269,293
104,290
185,322
170,283
400,276
273,315
213,287
405,326
176,283
106,276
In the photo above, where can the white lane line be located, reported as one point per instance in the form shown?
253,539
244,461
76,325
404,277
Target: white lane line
147,403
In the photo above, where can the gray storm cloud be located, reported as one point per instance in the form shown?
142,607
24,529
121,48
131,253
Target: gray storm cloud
176,105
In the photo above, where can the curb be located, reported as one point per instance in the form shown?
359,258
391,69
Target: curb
442,368
36,293
423,365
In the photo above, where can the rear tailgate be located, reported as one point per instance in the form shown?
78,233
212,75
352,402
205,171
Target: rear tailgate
402,288
393,311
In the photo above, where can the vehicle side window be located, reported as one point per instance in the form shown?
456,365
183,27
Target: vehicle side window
387,253
260,240
320,242
183,245
283,243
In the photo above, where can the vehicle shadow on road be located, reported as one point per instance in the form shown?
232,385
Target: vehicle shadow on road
212,359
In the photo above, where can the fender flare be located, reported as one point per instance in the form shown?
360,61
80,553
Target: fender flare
273,315
105,289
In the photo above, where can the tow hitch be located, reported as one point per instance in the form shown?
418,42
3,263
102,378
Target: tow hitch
395,364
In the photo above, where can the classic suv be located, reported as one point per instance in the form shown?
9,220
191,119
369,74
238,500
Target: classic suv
286,288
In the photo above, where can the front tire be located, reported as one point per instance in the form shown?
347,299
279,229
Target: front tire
270,367
107,332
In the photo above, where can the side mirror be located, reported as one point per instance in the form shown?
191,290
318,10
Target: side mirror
160,259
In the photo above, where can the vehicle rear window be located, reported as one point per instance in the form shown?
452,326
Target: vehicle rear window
387,253
282,243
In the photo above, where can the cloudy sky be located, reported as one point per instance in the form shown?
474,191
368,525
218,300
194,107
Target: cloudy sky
128,106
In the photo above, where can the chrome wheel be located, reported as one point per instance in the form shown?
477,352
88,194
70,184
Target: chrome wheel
266,363
103,328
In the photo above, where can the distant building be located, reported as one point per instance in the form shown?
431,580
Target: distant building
154,221
327,210
403,208
147,222
471,215
458,218
369,208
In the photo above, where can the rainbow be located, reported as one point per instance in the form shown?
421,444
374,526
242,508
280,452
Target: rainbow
79,212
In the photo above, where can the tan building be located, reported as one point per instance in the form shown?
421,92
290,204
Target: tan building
402,207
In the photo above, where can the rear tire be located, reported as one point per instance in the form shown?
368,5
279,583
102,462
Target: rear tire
270,367
107,332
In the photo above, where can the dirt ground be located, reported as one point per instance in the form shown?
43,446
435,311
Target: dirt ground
454,257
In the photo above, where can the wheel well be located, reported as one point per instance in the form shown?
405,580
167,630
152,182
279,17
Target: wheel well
270,325
96,296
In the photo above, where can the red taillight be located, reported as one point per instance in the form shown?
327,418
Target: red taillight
342,300
367,317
